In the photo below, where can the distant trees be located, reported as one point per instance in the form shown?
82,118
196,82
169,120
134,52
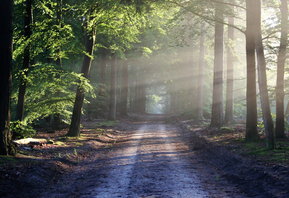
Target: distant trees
251,96
217,102
230,73
262,80
200,81
6,146
280,124
124,88
113,78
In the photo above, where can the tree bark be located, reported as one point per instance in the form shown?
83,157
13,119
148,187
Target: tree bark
26,60
142,98
6,146
112,103
217,102
124,89
102,66
251,99
262,80
60,23
280,124
200,88
230,75
74,129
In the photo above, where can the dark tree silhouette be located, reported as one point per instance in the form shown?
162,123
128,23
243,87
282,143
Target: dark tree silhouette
251,117
217,102
74,129
280,125
6,146
26,60
230,74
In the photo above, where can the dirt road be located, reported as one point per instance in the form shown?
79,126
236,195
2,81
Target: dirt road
153,161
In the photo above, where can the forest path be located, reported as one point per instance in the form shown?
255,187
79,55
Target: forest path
155,162
152,164
152,161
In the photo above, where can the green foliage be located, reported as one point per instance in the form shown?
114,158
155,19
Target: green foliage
51,91
280,154
21,130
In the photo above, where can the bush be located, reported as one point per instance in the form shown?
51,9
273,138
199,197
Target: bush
21,130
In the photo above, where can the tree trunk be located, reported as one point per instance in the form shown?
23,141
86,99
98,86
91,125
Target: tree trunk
102,72
142,98
217,102
280,125
26,60
60,23
74,129
230,75
200,88
262,80
251,117
139,99
6,146
124,89
112,103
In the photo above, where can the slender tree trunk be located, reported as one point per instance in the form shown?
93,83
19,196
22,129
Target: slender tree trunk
142,98
102,72
124,89
139,92
60,23
230,75
135,90
26,60
200,88
112,103
287,111
6,146
56,118
217,102
74,129
251,117
262,79
280,125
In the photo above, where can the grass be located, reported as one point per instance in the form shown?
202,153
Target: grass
280,154
107,123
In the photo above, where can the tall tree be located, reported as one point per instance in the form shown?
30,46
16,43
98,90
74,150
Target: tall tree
26,59
200,88
6,146
230,73
280,133
112,101
262,80
124,88
217,102
251,98
89,33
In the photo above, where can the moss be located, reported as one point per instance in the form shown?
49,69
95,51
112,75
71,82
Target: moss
59,143
79,144
227,129
8,160
280,154
107,123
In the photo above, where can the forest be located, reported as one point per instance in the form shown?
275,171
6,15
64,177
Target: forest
84,79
